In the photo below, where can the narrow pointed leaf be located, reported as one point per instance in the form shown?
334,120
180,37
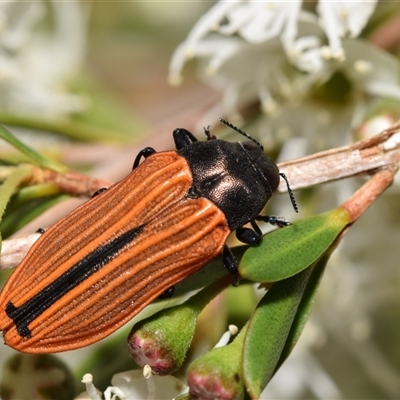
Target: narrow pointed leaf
268,330
31,154
287,251
10,185
305,305
14,220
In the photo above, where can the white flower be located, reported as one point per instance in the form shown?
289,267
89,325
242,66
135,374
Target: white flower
273,52
91,392
226,337
340,18
35,64
132,385
261,21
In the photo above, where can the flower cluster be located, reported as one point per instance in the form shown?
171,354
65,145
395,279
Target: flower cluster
35,63
288,59
134,385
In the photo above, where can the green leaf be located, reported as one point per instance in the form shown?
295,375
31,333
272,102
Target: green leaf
69,128
8,188
27,204
287,251
306,304
268,330
32,155
18,217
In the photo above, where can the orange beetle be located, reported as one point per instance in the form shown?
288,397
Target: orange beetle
99,266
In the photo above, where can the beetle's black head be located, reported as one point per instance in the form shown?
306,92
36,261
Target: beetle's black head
264,165
238,177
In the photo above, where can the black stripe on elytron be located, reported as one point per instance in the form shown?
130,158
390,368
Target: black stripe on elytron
98,258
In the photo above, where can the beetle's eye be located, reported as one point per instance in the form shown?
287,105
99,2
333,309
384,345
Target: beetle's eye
265,165
251,146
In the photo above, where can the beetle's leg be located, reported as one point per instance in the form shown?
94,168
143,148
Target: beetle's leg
97,192
273,220
183,138
250,236
148,151
167,294
208,133
230,264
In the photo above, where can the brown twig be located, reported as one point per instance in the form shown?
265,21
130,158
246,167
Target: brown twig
378,156
369,192
364,157
14,250
71,182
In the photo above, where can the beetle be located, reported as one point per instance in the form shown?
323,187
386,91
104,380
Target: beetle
95,269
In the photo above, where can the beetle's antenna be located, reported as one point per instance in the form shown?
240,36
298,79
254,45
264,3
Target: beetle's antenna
242,133
291,195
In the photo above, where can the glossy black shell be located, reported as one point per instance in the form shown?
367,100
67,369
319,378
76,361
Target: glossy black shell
238,177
